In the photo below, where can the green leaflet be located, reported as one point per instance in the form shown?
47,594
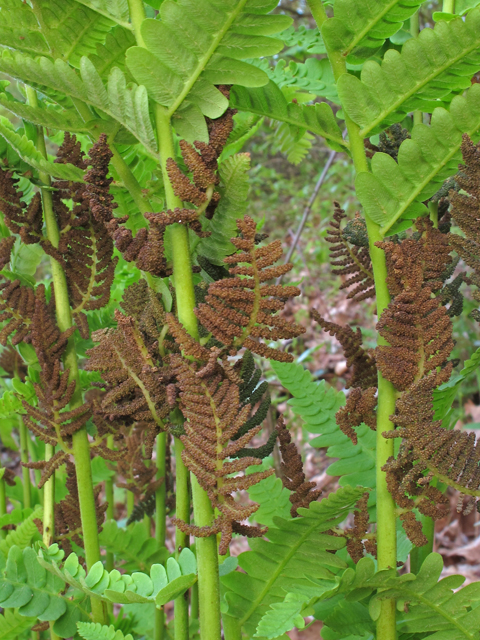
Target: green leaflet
296,550
445,394
92,631
133,545
272,497
233,203
360,27
282,617
12,624
111,53
24,584
220,35
22,535
116,10
269,101
397,190
431,68
68,29
125,103
433,608
47,117
162,585
27,152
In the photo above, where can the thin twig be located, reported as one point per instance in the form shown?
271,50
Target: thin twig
308,208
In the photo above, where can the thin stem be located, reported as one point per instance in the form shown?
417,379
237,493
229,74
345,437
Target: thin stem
160,509
27,486
3,506
386,519
110,498
414,31
182,511
49,502
81,447
448,6
37,473
130,502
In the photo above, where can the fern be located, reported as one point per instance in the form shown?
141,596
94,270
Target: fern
92,631
161,586
314,76
13,624
272,497
232,205
22,535
19,28
296,550
219,36
359,28
445,394
125,103
133,545
112,52
431,68
293,143
26,585
396,191
270,102
27,152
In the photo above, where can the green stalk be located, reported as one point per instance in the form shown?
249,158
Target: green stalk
160,496
3,506
448,6
386,518
49,502
81,447
27,489
207,560
130,502
110,498
182,511
37,473
414,31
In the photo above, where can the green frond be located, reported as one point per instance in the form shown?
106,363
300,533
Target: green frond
160,586
313,76
293,143
272,497
317,403
19,28
116,10
360,27
220,37
234,187
270,102
46,117
29,154
427,73
133,545
296,549
395,191
96,631
125,102
12,624
26,585
22,536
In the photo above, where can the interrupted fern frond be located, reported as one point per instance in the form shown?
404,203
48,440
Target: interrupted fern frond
26,220
359,408
211,406
240,310
349,255
293,476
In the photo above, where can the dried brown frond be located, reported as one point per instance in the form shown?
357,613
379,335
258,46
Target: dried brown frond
240,310
13,364
50,420
293,477
138,477
9,476
360,407
350,260
364,368
465,210
420,260
356,542
211,406
6,246
26,220
413,529
201,161
17,306
419,332
134,384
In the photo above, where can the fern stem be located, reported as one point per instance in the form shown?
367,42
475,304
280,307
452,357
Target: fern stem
160,509
386,518
182,511
81,447
27,487
448,6
110,498
130,502
3,506
49,502
414,31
